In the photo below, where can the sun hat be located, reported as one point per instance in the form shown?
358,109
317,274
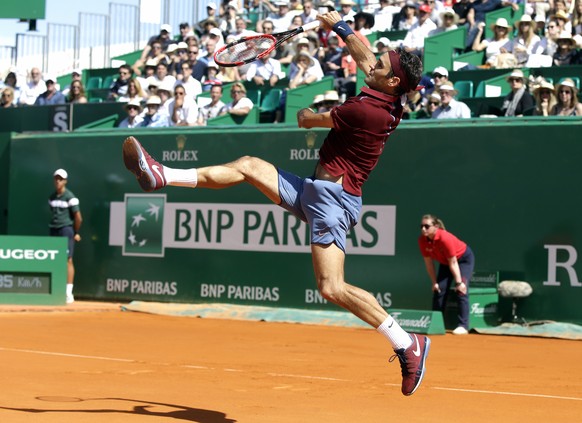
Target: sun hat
303,54
560,14
565,35
331,95
166,85
567,82
317,99
154,99
448,87
502,22
524,18
434,96
62,173
544,85
516,73
133,102
449,12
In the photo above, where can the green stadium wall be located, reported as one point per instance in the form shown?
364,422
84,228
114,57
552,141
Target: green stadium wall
507,187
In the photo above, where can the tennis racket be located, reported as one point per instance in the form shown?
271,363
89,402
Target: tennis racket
248,49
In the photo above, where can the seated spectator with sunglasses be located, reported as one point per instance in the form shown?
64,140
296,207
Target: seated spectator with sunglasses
450,108
133,119
519,99
240,105
434,101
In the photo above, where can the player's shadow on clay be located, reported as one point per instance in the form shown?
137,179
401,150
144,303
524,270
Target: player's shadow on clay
142,408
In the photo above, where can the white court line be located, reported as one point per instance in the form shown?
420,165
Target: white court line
519,394
308,377
93,357
124,360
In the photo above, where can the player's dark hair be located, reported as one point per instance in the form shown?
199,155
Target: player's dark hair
412,65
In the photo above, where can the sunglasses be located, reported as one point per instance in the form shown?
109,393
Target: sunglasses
132,108
438,75
179,93
236,92
425,226
433,103
565,92
193,52
514,79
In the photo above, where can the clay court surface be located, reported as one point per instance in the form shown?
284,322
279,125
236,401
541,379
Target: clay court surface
103,365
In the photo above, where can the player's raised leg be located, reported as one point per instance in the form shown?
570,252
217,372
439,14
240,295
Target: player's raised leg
152,175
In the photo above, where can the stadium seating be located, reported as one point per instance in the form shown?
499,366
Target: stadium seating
465,89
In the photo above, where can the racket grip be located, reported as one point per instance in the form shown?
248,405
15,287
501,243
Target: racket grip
311,25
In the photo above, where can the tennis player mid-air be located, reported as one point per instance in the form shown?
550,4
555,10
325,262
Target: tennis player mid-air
330,200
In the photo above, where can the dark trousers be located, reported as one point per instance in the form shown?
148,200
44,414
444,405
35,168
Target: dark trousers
445,280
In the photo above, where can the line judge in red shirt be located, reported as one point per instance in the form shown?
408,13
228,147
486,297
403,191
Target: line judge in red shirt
456,264
330,200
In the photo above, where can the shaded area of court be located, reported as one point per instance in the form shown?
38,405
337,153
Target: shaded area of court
124,367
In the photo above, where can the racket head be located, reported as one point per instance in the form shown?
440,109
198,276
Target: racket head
245,50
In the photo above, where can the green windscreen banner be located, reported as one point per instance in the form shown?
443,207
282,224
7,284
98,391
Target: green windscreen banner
505,187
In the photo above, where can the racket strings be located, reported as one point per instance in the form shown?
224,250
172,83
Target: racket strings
246,50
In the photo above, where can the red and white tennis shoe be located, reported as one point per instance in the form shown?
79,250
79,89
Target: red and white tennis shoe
412,362
149,173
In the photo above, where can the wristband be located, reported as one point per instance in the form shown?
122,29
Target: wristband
459,283
342,29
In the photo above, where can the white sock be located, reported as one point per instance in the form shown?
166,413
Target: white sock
397,336
69,289
181,177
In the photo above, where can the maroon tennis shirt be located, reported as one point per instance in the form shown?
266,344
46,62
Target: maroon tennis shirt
362,126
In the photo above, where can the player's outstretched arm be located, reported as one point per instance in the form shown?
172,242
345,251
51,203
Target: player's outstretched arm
363,56
307,118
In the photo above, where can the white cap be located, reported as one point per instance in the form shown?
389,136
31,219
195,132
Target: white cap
167,85
318,99
62,173
134,102
211,5
441,70
182,46
172,48
331,95
216,31
303,40
166,27
152,81
154,99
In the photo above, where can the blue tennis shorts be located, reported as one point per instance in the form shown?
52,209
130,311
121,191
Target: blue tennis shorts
68,232
325,206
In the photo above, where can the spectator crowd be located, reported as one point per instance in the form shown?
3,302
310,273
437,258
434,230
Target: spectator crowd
163,86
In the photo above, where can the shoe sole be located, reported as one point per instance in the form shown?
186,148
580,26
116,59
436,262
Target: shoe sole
424,355
132,157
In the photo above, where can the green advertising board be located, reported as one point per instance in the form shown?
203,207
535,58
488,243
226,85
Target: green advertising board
503,188
33,270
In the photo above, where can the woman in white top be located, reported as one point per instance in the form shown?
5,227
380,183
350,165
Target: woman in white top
498,44
307,70
240,105
526,41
